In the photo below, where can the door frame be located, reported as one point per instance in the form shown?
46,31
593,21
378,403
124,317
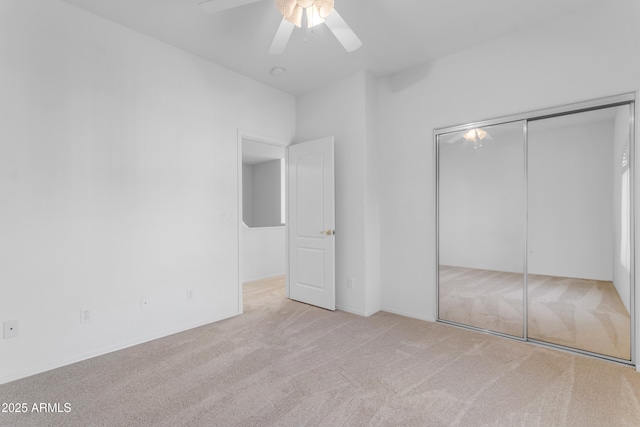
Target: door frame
242,134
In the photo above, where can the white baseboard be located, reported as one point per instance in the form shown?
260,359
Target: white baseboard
350,310
406,314
257,279
14,376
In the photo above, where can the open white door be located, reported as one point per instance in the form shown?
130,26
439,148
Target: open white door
311,219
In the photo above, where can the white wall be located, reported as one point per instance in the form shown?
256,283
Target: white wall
267,194
373,288
570,209
263,252
620,202
578,57
261,194
340,109
247,194
118,157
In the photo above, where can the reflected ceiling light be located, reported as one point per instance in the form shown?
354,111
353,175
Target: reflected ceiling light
314,10
475,135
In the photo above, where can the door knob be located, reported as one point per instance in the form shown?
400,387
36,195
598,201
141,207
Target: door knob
328,232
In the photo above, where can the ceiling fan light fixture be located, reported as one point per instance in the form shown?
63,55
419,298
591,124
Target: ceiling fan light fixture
470,135
286,6
475,134
325,7
296,16
316,11
313,17
293,15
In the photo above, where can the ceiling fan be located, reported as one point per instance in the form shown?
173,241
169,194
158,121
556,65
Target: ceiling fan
297,13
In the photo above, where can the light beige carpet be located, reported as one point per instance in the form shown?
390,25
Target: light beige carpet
491,300
288,364
584,314
579,313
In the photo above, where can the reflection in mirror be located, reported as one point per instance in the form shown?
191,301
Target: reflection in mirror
481,228
263,189
579,249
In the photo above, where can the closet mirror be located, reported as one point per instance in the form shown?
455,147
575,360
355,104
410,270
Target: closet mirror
579,231
481,227
535,227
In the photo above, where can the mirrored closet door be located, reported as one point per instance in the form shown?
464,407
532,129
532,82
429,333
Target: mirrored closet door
481,227
579,234
535,227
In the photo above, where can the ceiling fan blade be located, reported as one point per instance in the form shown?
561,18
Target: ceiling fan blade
341,30
281,38
215,6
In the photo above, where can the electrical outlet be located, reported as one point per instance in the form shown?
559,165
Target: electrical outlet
144,302
350,282
227,217
10,329
85,316
189,294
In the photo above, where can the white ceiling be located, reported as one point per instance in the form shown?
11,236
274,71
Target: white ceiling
396,34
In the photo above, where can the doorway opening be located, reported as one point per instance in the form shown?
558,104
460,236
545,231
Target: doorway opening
262,216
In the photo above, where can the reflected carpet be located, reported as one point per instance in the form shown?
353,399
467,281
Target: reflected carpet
578,313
